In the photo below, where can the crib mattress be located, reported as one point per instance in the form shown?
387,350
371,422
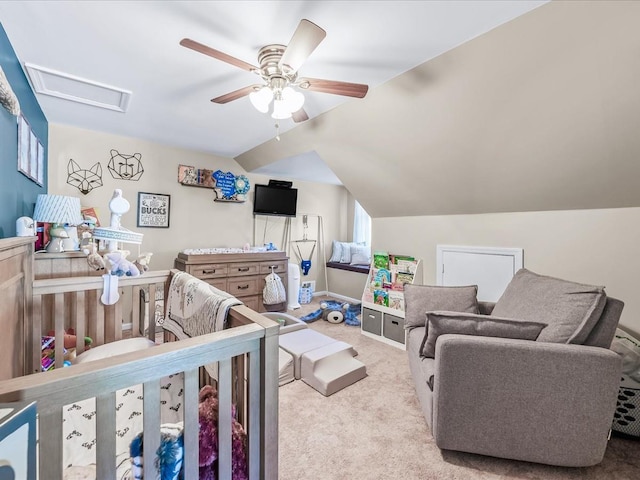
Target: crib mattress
285,365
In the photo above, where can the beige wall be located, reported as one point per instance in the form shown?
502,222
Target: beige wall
349,284
196,220
592,246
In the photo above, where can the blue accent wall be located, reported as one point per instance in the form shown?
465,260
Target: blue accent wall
18,193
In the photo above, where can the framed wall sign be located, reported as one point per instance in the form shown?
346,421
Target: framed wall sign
153,210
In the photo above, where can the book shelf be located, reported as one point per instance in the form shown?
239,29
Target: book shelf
383,296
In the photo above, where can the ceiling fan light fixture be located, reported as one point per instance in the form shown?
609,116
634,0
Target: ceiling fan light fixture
293,100
261,99
280,110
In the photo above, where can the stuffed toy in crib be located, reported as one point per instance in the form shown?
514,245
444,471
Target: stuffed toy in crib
171,451
208,438
335,312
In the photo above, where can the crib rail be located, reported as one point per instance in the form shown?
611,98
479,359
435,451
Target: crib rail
256,340
61,304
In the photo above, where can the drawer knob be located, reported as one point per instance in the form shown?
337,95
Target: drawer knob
243,287
205,272
243,269
372,316
395,322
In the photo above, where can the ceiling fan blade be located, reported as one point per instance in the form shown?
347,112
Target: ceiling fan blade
199,47
305,39
236,94
300,116
357,90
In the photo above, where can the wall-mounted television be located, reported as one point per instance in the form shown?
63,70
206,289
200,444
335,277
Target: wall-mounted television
274,200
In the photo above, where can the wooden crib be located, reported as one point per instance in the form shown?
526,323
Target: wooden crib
246,352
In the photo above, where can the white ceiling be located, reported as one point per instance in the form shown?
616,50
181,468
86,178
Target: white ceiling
134,46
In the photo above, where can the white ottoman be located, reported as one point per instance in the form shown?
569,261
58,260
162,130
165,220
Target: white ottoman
285,367
302,341
331,368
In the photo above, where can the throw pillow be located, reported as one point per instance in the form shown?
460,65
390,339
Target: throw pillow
345,256
360,255
441,323
420,299
336,252
569,309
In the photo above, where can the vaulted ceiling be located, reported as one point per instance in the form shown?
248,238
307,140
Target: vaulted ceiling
541,113
134,46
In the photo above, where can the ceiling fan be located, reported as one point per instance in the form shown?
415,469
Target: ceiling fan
278,69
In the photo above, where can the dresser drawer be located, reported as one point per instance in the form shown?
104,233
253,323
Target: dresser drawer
219,283
242,286
253,302
209,270
243,269
278,267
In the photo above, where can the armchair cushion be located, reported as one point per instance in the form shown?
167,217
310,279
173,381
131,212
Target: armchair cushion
419,299
441,323
569,309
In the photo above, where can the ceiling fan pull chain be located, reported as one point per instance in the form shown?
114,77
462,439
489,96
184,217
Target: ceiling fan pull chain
277,131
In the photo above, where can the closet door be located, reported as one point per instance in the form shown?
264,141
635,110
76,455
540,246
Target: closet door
490,268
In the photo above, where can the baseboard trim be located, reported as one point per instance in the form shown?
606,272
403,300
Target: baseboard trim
336,295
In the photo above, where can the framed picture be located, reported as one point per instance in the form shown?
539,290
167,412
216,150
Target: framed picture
24,133
33,156
40,177
153,210
30,152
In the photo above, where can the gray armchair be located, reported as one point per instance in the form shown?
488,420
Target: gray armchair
549,401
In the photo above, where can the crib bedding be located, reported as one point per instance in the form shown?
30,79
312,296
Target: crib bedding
79,426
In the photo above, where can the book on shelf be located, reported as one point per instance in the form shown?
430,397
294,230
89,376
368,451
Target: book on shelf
381,297
380,260
396,300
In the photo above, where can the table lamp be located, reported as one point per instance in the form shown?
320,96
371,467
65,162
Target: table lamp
57,210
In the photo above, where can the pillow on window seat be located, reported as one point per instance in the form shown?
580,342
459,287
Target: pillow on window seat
441,323
336,252
420,299
360,255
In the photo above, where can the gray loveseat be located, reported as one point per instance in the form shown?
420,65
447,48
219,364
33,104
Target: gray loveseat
549,398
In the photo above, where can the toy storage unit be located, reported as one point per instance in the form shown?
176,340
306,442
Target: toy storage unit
383,297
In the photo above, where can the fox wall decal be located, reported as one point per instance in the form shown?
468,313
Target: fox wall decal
84,180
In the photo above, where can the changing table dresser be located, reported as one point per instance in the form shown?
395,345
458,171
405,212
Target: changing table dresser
240,274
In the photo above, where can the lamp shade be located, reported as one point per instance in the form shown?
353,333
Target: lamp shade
280,110
261,99
292,99
58,209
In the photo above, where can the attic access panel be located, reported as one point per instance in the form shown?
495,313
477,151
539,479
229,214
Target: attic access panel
490,268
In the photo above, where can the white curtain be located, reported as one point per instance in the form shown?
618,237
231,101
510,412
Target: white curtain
361,225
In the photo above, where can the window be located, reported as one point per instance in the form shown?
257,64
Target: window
361,225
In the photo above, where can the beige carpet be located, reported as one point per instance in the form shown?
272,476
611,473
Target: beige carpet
374,429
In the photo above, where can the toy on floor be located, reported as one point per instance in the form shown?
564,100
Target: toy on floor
335,312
